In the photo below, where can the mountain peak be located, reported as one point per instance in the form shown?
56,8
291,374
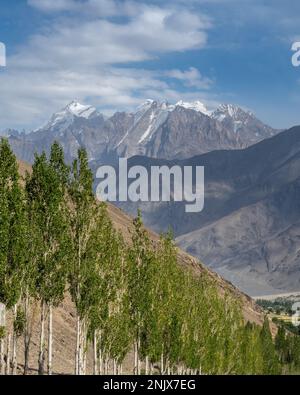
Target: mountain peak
80,110
195,105
230,110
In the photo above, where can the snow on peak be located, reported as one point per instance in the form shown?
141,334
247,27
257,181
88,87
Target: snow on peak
196,106
165,106
80,110
61,120
231,110
145,106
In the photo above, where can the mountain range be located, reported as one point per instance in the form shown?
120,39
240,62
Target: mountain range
158,130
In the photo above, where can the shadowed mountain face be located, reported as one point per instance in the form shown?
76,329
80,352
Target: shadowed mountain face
158,130
249,230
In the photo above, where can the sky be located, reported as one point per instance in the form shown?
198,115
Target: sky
115,54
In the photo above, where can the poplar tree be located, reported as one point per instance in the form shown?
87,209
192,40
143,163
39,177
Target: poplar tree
281,344
83,213
12,240
139,259
270,358
46,189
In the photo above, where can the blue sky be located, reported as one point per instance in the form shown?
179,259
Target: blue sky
115,54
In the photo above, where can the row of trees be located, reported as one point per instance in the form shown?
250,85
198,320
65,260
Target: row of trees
56,238
288,348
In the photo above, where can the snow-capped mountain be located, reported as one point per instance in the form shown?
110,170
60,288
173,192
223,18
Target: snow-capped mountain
244,123
61,120
156,129
195,106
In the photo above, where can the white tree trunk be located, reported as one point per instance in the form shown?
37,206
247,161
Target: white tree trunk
7,370
147,366
138,356
100,354
83,349
50,340
15,341
151,368
135,367
80,351
95,367
2,357
162,371
168,368
26,335
77,345
42,340
100,363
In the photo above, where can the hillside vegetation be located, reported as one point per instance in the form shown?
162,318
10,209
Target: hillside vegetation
83,296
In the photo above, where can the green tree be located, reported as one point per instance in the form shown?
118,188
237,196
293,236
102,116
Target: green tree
139,257
270,358
84,219
12,240
281,344
46,190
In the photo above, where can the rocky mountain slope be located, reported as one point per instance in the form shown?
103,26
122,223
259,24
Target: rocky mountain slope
158,130
249,230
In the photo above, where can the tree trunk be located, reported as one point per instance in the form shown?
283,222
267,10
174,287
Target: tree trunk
82,354
15,340
80,351
84,357
26,335
135,358
77,345
42,340
2,357
168,368
50,339
138,358
114,367
7,370
147,366
162,364
151,368
100,355
95,353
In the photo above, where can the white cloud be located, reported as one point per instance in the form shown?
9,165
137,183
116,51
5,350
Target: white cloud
53,6
191,78
83,57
